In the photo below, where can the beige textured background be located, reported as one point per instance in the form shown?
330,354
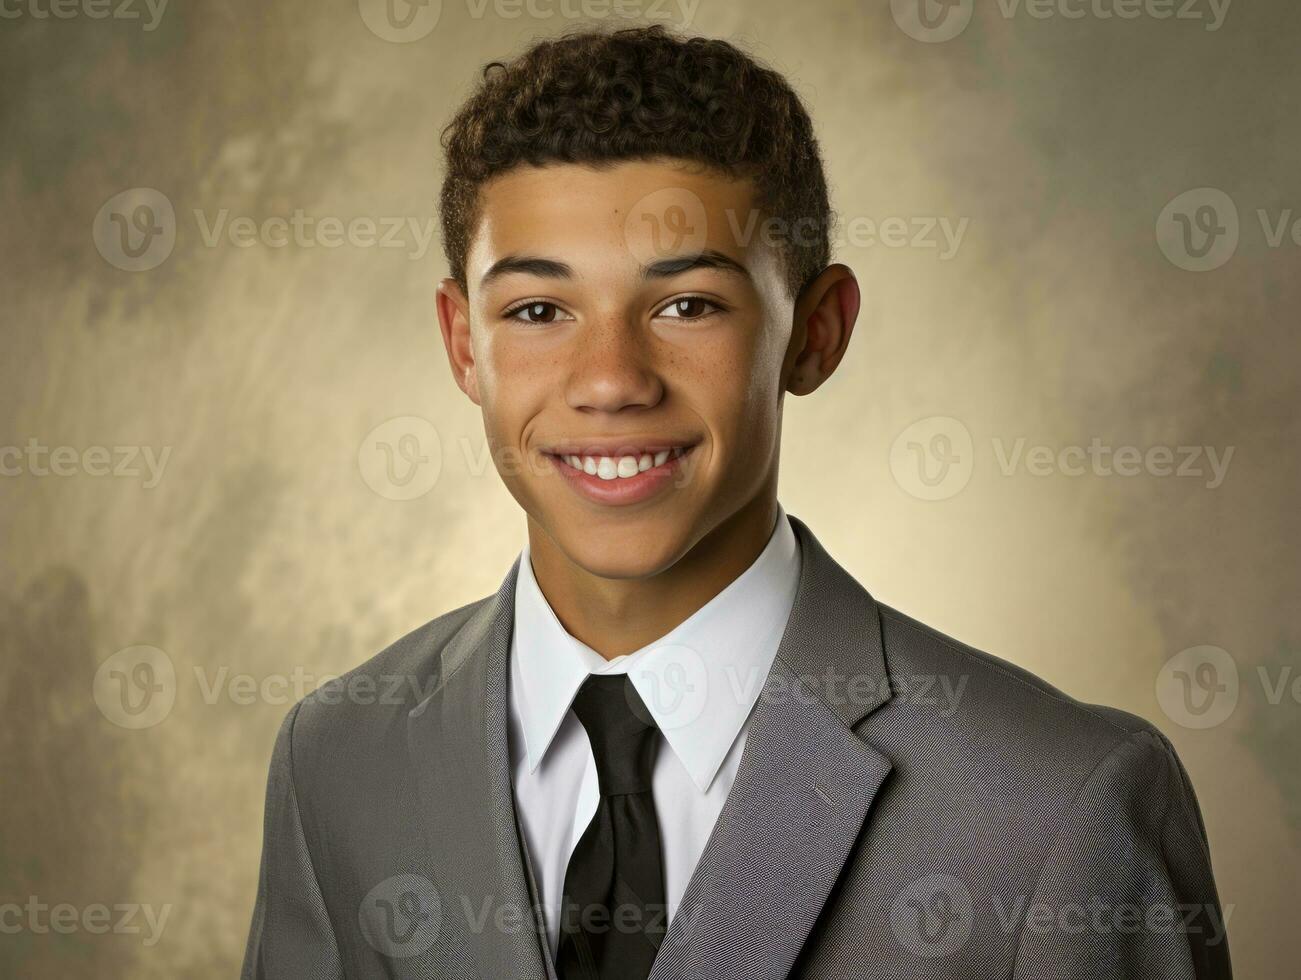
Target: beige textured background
262,550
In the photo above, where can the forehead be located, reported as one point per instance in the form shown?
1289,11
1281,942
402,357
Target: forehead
614,220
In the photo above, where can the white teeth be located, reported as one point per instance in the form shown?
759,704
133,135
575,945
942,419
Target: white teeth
619,467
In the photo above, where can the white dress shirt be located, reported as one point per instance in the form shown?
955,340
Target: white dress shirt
700,682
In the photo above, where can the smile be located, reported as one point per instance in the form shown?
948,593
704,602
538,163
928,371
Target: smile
622,467
617,474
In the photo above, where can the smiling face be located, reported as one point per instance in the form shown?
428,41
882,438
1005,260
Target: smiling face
630,346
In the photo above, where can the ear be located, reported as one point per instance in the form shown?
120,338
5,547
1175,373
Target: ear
825,313
454,322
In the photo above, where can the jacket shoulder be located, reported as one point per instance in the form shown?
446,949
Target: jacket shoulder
977,698
365,702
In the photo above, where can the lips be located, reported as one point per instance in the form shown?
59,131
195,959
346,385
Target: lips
626,475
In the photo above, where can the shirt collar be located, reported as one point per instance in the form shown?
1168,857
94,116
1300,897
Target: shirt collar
699,681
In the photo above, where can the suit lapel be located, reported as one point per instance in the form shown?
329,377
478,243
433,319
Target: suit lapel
802,791
458,742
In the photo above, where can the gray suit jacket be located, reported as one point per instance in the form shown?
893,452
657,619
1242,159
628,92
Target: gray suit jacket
906,806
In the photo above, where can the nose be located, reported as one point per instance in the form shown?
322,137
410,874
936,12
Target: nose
612,370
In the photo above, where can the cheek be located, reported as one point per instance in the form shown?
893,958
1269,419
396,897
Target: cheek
738,383
515,381
503,370
759,360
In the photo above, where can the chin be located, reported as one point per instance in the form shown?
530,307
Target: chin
622,556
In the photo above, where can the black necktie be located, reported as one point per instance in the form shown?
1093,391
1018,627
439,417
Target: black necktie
614,915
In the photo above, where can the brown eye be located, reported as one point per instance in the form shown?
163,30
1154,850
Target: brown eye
537,313
688,308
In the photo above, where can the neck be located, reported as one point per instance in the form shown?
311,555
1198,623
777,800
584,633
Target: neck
618,616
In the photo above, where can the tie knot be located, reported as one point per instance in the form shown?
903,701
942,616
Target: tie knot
621,730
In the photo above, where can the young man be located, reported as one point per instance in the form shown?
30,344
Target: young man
680,740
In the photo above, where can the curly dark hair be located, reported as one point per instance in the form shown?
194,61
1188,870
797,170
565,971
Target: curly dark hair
598,97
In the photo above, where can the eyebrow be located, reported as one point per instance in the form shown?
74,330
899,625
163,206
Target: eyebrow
545,268
707,259
529,265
